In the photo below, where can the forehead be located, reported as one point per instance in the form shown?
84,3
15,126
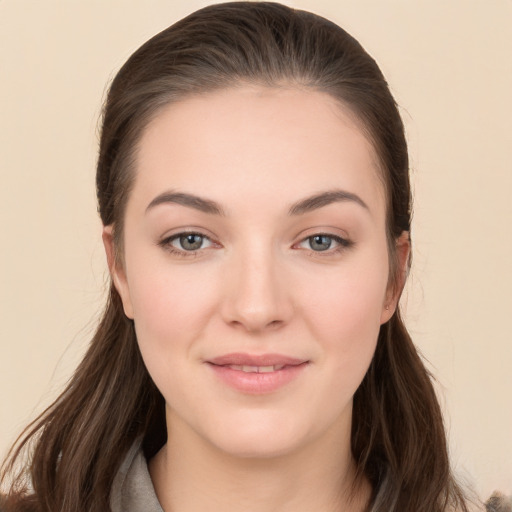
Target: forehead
252,139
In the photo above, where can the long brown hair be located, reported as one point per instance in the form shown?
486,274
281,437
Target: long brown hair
76,446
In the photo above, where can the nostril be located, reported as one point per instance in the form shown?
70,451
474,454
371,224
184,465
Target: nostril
256,326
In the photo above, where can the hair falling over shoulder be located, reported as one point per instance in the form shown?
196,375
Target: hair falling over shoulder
66,460
75,446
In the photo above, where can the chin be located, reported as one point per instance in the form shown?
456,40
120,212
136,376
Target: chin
258,446
260,435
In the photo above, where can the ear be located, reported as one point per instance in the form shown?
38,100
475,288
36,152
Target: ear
403,250
117,271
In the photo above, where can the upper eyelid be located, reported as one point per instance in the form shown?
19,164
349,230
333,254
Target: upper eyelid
331,231
343,241
172,235
185,233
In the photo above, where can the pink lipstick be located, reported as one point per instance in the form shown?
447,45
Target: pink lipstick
257,374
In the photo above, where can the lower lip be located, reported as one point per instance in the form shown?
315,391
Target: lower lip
254,383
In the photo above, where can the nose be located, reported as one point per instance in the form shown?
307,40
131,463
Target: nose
256,294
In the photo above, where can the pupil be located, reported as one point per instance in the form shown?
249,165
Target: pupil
191,242
320,242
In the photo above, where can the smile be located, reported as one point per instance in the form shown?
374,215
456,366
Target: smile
257,374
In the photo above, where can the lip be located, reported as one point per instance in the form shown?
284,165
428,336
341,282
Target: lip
241,359
253,382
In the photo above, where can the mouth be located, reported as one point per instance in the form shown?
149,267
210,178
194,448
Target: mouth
257,374
256,361
256,369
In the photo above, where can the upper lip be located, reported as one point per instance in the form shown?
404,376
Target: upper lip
240,359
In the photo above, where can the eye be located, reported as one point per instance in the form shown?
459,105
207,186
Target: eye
322,242
186,242
189,241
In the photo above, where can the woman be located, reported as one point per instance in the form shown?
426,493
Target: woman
253,186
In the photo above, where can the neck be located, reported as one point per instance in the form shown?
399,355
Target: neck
191,475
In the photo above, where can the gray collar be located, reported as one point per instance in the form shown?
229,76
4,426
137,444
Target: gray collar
132,490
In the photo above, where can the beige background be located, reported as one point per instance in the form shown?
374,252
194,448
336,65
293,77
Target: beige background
450,67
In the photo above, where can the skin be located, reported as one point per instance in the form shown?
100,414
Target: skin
256,285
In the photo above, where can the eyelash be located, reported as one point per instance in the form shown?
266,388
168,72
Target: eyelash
342,244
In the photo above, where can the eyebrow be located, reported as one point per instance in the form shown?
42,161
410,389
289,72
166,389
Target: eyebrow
189,200
324,199
300,207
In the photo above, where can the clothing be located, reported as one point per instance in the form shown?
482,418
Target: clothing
499,503
132,490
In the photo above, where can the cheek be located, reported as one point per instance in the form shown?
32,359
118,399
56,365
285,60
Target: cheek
349,337
169,307
171,314
350,300
171,304
345,317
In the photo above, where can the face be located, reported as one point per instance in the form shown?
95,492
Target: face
256,266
